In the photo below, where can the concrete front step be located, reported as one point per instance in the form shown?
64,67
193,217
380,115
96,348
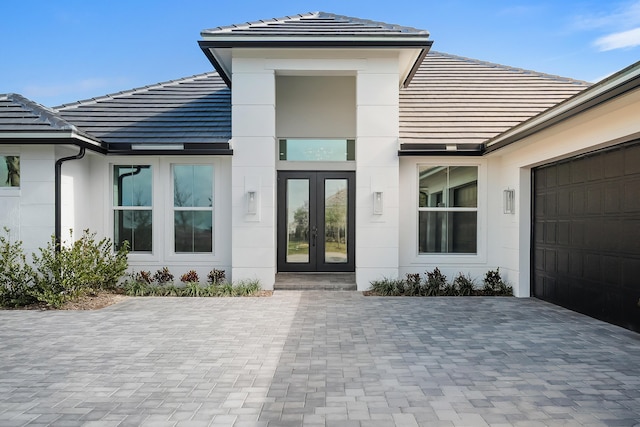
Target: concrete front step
315,281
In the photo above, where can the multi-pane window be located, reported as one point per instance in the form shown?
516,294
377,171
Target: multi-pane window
448,209
193,208
10,171
132,207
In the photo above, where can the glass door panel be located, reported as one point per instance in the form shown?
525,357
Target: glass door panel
335,220
316,217
298,235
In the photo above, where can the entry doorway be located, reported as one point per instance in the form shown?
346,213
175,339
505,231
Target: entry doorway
316,221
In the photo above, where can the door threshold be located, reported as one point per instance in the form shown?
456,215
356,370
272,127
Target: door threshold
329,281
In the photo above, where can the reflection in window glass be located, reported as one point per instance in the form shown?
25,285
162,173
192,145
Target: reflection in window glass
317,150
132,196
9,171
193,208
448,209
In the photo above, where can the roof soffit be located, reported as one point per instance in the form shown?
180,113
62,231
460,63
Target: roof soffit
316,30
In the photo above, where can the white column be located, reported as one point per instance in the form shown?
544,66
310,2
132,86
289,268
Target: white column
377,235
253,171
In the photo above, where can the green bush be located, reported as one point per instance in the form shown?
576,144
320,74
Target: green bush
494,285
70,271
15,274
436,284
463,285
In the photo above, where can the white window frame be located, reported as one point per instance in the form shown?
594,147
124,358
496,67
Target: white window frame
155,206
449,258
169,209
175,209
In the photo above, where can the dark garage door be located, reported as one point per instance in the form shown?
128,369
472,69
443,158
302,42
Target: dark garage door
586,234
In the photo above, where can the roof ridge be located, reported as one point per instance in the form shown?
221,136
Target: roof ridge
248,24
398,27
317,14
46,114
510,68
139,89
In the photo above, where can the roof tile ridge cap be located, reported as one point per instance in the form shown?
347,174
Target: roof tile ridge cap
245,25
403,28
510,68
43,113
140,89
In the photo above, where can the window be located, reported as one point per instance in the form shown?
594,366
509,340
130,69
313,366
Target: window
132,212
447,209
10,171
317,150
193,208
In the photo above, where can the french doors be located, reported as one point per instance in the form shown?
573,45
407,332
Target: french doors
316,221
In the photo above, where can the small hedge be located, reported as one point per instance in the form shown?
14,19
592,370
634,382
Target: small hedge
59,273
434,283
160,284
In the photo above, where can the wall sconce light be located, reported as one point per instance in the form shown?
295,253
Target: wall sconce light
252,202
378,203
509,201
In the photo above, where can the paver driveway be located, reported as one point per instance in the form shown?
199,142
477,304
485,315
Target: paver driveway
317,358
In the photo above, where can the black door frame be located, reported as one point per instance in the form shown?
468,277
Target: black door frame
316,219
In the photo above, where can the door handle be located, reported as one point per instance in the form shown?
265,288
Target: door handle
314,235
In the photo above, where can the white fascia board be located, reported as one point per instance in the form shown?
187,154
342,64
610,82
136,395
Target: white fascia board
15,137
350,39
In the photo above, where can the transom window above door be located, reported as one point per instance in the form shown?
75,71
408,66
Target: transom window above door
317,150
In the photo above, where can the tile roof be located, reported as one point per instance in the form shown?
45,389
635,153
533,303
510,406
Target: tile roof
193,110
19,114
456,100
314,24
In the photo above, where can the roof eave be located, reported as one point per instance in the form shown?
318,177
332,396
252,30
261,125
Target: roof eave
213,46
616,85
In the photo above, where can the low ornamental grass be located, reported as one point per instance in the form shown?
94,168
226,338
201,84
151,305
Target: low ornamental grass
435,283
143,283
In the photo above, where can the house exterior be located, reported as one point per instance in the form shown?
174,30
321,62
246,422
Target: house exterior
325,143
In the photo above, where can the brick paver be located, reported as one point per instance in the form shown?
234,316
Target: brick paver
317,359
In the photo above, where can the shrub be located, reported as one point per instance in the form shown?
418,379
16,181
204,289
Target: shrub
246,288
163,276
435,284
15,274
494,285
137,288
413,284
190,277
216,276
63,273
464,285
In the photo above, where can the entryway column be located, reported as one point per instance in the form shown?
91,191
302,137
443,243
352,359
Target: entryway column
377,176
253,172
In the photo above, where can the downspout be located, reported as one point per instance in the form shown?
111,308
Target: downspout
58,194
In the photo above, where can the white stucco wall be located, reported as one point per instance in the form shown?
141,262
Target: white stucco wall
29,211
315,107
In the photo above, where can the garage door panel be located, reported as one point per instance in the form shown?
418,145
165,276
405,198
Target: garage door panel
632,160
586,234
612,198
632,196
612,164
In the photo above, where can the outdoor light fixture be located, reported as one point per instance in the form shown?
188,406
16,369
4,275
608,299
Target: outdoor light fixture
252,203
509,203
378,203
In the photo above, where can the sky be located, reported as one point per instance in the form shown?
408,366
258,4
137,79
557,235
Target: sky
56,52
